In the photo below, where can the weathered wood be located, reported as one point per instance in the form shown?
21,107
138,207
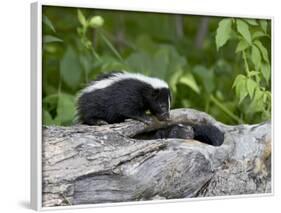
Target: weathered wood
98,164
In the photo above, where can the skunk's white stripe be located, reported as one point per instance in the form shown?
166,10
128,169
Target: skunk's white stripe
169,104
154,82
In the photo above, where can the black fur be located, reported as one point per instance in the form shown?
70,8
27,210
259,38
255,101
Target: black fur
173,131
208,134
204,133
127,98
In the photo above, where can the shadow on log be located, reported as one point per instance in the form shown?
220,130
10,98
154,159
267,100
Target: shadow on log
104,164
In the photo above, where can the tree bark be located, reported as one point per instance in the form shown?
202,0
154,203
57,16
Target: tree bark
101,164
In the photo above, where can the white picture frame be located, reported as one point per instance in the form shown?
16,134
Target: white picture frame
36,97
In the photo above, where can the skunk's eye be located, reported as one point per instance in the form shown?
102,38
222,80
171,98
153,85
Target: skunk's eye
155,93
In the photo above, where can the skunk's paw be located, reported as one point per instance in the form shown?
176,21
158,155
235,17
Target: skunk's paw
100,122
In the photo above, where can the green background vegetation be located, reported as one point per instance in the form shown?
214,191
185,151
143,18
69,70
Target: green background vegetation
213,64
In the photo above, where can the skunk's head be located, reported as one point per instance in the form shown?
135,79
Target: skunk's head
159,100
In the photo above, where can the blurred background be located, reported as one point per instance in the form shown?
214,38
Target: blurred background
218,65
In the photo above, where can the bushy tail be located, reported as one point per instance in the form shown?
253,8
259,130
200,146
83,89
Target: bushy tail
208,134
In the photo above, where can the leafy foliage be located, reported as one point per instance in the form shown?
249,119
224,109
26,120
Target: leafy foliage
254,87
223,32
224,71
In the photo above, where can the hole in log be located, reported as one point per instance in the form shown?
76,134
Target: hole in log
204,133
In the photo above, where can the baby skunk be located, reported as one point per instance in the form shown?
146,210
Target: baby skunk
116,96
205,133
173,131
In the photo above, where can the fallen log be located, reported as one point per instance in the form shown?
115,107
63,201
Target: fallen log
104,164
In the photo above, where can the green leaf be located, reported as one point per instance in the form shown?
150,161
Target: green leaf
70,68
50,102
65,109
186,103
253,73
108,62
223,32
242,91
268,94
205,76
161,62
238,79
144,42
265,70
251,22
86,62
257,104
50,39
251,86
264,97
256,57
81,18
189,81
263,24
257,99
47,21
258,94
175,60
240,86
263,50
47,118
243,29
140,62
242,45
258,34
175,79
